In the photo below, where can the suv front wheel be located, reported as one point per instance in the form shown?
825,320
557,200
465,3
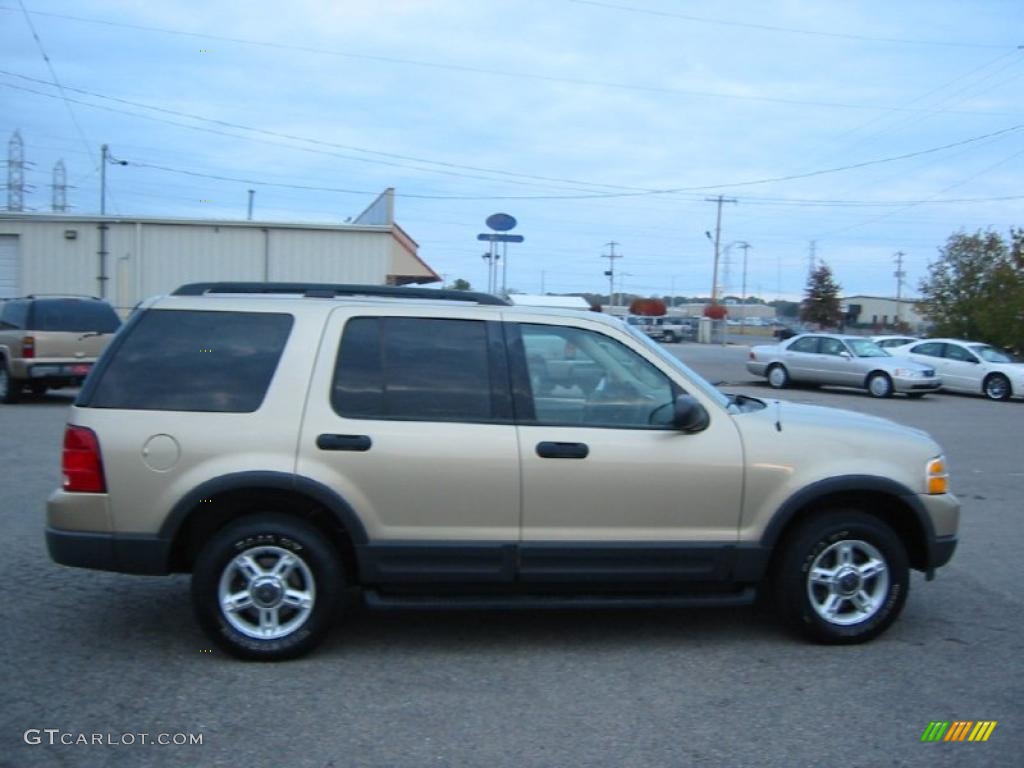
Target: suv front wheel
842,577
265,587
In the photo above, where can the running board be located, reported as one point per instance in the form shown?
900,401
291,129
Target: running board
376,601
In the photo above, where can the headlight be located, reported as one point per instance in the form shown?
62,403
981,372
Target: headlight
937,476
908,373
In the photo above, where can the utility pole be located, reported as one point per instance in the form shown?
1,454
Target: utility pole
610,272
899,274
718,235
252,193
102,253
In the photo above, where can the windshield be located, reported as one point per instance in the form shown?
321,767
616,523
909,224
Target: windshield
695,378
866,348
990,354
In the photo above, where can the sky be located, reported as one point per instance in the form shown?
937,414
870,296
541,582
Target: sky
846,132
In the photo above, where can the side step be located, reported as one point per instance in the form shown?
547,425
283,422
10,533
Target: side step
379,602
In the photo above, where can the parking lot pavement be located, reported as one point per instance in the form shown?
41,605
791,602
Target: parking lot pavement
94,653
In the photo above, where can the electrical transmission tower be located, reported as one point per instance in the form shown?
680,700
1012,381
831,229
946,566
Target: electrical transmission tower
15,173
899,274
60,188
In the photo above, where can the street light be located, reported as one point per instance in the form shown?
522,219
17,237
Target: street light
746,247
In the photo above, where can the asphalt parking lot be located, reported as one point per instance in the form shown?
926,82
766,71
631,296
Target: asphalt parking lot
96,653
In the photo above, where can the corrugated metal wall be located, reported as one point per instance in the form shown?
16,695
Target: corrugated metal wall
149,258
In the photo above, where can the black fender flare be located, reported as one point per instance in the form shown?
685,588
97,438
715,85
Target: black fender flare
850,484
255,480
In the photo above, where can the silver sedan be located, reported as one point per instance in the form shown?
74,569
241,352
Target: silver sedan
845,361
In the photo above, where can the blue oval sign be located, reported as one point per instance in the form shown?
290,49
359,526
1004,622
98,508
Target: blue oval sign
501,222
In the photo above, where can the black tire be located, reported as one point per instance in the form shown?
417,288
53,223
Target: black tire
314,573
997,387
819,543
10,388
780,379
38,388
879,385
915,395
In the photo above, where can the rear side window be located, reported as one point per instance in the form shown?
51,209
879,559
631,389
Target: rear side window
81,315
806,344
931,348
14,315
414,369
194,361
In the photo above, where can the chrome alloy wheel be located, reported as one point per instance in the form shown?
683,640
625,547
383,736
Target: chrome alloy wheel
848,582
266,592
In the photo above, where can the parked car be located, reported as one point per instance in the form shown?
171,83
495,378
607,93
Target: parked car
969,366
665,328
890,342
48,342
847,361
281,448
783,332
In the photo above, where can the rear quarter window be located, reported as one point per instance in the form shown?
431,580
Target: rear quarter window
192,361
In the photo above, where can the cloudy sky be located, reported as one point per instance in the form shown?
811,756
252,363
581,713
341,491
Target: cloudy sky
865,128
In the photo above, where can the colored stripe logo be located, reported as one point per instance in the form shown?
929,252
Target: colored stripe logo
959,730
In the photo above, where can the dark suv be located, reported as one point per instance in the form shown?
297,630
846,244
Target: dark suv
47,342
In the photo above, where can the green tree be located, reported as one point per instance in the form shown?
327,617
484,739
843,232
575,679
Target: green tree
460,285
975,290
821,299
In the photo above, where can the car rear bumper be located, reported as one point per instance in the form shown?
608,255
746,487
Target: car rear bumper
108,552
35,369
756,368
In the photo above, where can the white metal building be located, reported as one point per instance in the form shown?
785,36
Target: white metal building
58,253
884,312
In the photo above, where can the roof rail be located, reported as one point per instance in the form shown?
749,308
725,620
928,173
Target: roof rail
330,290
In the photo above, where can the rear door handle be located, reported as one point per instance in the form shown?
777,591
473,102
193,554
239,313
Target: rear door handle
327,442
549,450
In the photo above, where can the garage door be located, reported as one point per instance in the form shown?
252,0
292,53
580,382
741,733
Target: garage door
10,265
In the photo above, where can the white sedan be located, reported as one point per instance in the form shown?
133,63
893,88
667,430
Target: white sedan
969,366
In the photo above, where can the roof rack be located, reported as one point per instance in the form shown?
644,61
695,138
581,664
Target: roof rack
330,290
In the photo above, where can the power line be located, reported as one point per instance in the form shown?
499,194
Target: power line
56,81
498,72
587,196
788,30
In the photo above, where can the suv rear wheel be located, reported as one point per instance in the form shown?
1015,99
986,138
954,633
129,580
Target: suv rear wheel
266,587
842,577
10,388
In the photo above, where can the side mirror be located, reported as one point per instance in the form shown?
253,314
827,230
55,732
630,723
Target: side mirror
689,415
846,354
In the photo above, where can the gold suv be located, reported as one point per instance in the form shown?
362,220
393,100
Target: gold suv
47,342
281,442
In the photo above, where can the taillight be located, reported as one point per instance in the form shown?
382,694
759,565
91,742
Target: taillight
28,346
81,461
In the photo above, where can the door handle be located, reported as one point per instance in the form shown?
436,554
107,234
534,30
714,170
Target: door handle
327,442
548,450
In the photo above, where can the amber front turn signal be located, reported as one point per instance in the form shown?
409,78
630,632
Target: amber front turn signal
938,478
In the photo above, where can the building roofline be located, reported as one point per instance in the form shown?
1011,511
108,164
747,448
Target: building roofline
240,223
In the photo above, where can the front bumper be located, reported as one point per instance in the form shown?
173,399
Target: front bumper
901,384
